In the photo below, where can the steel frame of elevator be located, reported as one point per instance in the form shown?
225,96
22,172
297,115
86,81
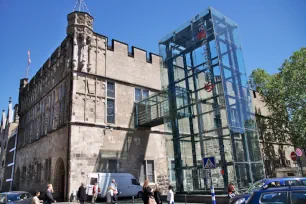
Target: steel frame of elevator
179,52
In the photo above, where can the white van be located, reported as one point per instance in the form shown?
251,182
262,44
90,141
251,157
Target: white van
128,185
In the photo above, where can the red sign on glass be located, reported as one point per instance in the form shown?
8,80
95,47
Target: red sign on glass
208,87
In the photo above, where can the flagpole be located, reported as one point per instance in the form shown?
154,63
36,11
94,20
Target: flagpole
29,62
27,72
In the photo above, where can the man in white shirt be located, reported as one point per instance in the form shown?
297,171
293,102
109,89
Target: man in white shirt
170,196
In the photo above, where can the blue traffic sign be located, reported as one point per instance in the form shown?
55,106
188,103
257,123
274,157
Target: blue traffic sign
209,163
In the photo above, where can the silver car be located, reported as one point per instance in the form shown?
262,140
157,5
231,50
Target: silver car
20,197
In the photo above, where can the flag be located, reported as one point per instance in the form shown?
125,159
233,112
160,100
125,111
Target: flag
29,57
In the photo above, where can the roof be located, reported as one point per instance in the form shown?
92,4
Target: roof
284,178
271,189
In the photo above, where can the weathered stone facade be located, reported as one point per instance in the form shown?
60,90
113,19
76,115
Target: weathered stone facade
9,126
64,131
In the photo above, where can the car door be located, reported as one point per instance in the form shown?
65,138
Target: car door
298,197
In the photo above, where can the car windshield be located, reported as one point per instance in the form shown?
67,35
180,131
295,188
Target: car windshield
256,185
17,196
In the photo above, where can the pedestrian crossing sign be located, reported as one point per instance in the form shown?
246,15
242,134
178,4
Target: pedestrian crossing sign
209,163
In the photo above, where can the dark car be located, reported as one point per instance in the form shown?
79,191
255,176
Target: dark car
20,197
265,184
279,195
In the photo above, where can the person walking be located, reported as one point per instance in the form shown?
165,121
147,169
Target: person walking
231,190
48,196
147,192
170,196
82,193
94,193
113,191
35,199
157,195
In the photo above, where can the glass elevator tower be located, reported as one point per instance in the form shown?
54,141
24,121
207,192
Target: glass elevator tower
206,104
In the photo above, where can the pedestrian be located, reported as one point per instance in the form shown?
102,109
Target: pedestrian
48,196
113,191
147,192
35,199
170,196
157,195
82,193
231,190
94,193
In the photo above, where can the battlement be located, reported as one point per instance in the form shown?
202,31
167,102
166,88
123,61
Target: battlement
52,62
136,53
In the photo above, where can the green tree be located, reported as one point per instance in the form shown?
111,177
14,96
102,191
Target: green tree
285,96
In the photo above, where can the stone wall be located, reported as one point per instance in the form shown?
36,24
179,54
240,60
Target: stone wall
129,148
37,164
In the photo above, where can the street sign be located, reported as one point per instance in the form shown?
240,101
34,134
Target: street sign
293,156
209,162
298,152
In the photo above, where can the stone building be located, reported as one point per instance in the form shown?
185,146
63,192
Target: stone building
275,146
9,128
76,113
77,117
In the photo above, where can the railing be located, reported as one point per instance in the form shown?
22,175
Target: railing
152,111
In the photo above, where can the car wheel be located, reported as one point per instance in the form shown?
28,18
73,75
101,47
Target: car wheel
139,194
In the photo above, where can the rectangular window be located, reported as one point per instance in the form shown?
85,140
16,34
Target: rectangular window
111,89
110,110
147,171
138,95
141,94
110,102
135,182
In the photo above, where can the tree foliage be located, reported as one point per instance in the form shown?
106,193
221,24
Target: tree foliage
285,95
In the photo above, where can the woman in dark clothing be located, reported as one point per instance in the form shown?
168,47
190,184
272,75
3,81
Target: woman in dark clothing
82,194
147,192
157,195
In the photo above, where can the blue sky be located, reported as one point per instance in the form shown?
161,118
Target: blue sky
270,30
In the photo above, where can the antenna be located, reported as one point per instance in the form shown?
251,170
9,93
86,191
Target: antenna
81,6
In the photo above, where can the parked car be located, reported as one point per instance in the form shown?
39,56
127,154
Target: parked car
279,195
128,185
265,184
20,197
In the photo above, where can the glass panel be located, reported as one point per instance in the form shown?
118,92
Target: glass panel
298,197
274,197
257,171
111,89
138,94
145,93
142,172
150,170
172,171
110,111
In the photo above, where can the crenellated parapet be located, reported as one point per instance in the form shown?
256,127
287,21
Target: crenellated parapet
47,77
136,53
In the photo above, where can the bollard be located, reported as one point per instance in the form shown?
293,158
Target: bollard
133,199
185,199
213,197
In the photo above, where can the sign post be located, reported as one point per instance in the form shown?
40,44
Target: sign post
208,164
